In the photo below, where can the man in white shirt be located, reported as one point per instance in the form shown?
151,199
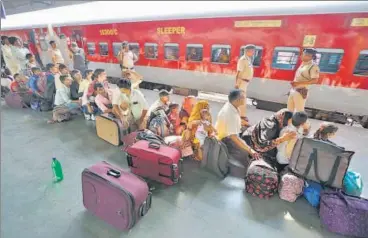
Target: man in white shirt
17,54
62,96
63,70
244,75
126,57
138,105
228,126
56,55
8,56
162,102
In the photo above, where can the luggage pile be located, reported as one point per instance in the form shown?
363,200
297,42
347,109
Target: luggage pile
329,186
317,170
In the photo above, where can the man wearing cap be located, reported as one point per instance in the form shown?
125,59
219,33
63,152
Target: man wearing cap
162,102
307,74
126,57
244,76
79,58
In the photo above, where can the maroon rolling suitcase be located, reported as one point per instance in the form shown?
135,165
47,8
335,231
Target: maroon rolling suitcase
118,197
155,161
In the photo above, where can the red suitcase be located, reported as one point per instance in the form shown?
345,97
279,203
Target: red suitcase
155,161
118,197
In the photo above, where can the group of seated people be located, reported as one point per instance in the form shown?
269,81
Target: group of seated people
272,137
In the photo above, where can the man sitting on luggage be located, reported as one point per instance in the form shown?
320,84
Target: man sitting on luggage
162,102
228,127
138,105
33,80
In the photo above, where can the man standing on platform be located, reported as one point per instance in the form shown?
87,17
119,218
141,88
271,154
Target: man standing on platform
243,77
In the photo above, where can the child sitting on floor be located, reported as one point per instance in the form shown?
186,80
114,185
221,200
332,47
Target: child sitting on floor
173,115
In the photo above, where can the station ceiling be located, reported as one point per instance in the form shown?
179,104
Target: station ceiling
21,6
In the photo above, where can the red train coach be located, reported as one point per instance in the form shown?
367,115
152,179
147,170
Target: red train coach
201,52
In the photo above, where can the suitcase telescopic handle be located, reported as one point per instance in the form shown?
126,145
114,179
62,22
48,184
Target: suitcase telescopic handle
114,173
154,145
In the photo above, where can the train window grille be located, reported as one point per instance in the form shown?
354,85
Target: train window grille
361,67
220,54
171,51
194,52
116,47
134,47
329,60
257,55
104,49
285,58
91,48
150,51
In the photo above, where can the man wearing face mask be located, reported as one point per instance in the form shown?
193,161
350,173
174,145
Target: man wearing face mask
126,100
307,74
244,76
162,102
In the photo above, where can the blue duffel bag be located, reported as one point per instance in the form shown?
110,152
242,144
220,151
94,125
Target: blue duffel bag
312,192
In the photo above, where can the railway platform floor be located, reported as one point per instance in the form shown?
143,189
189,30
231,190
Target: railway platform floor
200,206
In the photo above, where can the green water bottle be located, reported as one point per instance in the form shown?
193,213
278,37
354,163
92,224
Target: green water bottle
57,170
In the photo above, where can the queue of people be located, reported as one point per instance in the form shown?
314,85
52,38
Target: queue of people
89,92
264,149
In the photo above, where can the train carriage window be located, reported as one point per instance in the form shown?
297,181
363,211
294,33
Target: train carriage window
220,54
150,50
194,52
285,57
257,55
171,51
134,47
104,48
91,48
116,47
361,67
329,60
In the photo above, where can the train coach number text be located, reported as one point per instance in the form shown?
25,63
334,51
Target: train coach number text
108,32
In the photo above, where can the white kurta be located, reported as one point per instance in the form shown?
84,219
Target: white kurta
9,59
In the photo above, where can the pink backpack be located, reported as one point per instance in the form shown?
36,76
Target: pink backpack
291,187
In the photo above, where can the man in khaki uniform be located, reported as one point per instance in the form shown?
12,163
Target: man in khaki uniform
307,74
243,77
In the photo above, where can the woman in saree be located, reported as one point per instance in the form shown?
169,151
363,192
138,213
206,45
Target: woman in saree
195,117
263,137
186,109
